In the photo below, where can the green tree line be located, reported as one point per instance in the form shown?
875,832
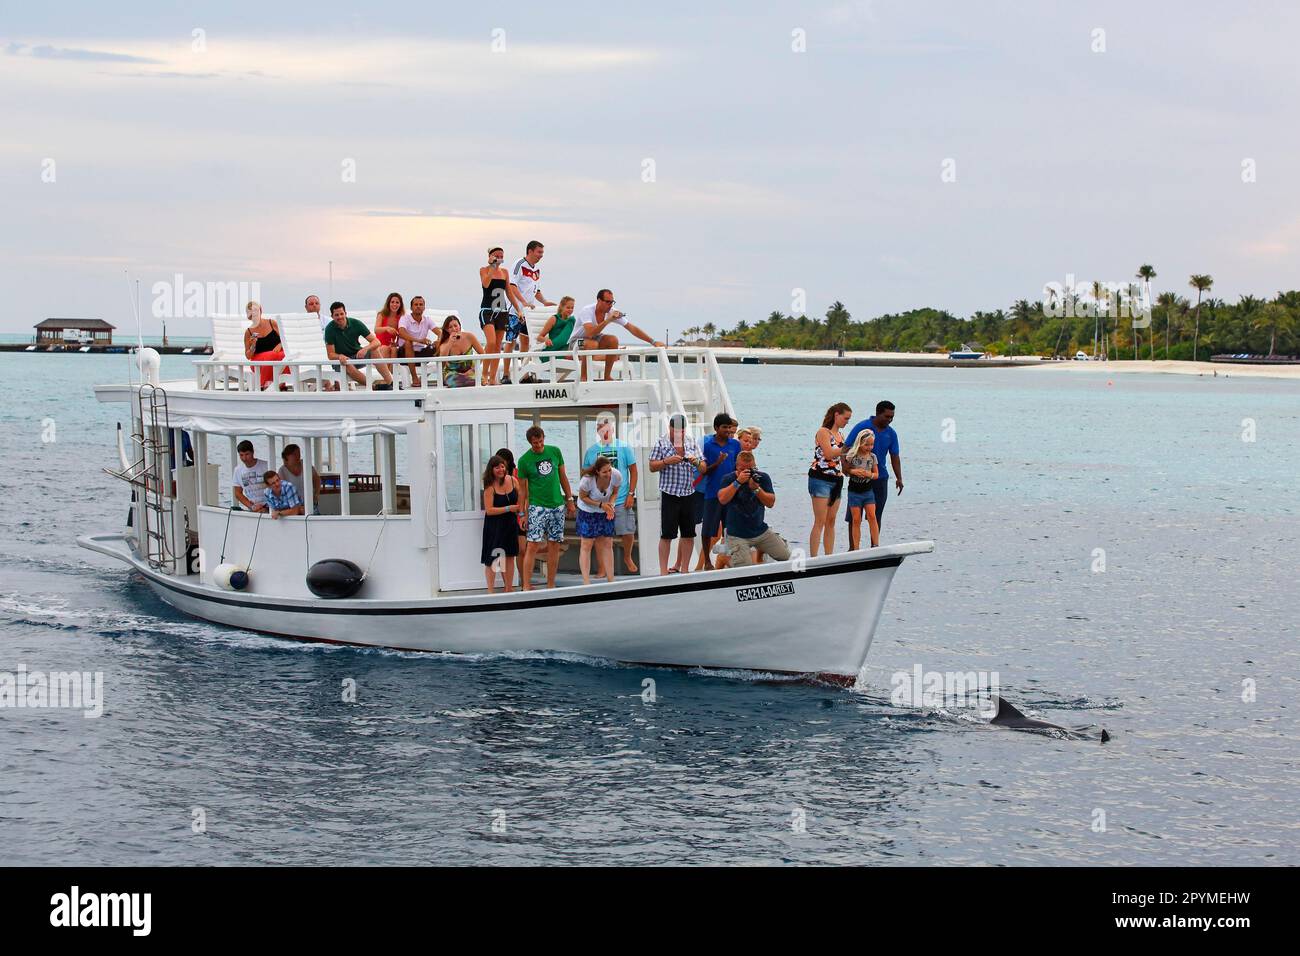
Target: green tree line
1192,326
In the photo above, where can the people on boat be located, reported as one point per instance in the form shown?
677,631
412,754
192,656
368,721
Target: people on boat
347,340
455,341
500,524
597,490
494,309
859,463
262,343
621,456
312,305
722,553
557,333
596,320
720,450
677,459
386,320
419,337
825,477
291,471
250,478
282,498
749,437
547,500
886,446
506,455
524,294
748,493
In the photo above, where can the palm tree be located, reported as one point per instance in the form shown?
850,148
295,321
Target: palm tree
837,324
1171,305
1274,317
1146,273
1202,284
709,330
1098,294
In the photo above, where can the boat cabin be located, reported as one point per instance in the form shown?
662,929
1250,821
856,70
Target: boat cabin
400,471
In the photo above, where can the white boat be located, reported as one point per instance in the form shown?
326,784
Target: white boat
401,500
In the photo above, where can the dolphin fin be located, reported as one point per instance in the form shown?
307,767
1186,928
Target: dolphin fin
1006,712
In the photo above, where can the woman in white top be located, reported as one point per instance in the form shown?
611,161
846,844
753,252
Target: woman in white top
597,492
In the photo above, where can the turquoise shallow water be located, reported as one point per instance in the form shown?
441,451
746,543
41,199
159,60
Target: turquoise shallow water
1199,530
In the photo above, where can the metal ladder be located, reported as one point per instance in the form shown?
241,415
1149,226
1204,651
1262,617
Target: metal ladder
150,429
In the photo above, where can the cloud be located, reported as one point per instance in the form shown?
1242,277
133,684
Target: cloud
411,64
474,214
46,52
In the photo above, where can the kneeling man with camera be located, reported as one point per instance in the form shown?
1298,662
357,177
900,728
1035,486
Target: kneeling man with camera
747,493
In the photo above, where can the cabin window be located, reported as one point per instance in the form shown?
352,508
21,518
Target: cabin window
491,436
458,467
362,476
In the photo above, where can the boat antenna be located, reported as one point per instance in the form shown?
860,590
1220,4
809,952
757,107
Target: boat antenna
130,378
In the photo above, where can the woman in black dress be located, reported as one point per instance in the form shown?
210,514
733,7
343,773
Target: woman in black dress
500,523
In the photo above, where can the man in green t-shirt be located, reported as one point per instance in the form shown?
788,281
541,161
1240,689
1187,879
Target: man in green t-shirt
545,500
347,339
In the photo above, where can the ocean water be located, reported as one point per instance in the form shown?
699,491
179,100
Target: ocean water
1120,551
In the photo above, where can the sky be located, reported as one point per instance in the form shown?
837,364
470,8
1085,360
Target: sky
707,162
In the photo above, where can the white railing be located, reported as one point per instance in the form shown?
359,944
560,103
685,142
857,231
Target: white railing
664,365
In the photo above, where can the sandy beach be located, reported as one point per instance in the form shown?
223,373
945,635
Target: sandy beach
1032,361
1177,368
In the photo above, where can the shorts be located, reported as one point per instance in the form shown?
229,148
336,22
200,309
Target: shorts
826,488
498,320
515,328
676,516
715,516
545,524
594,524
858,499
624,520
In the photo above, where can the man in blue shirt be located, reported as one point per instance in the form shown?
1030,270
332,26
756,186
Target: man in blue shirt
620,456
747,493
886,444
720,453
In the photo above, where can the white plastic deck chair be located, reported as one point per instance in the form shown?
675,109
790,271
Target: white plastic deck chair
228,346
305,342
557,363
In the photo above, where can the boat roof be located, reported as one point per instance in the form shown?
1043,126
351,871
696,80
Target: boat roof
673,379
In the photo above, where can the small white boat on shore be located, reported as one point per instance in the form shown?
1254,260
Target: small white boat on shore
400,498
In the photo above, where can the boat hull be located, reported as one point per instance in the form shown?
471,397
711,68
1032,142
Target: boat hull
770,618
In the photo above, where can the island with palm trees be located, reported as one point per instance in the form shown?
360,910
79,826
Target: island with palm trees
1177,328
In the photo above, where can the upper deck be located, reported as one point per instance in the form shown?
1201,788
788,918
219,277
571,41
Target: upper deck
669,380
